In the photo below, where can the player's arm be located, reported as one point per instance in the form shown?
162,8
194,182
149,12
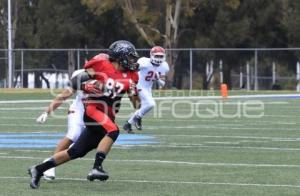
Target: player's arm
56,102
135,100
65,94
160,79
133,97
76,79
161,76
133,93
59,99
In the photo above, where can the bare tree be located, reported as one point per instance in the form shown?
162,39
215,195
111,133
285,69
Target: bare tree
147,19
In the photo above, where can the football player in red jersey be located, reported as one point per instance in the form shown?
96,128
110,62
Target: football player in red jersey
75,117
106,81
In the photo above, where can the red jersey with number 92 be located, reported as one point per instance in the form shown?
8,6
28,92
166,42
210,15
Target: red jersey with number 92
116,83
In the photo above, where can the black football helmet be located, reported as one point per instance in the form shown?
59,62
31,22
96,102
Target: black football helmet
125,54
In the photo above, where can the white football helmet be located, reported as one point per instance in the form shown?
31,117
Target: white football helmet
157,55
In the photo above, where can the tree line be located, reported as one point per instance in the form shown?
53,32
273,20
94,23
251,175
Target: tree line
169,23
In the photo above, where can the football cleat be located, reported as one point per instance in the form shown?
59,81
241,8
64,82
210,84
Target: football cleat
138,123
35,177
97,174
127,127
49,175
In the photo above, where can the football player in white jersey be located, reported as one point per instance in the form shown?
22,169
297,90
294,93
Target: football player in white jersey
153,69
75,122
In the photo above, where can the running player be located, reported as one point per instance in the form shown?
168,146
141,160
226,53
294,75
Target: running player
153,69
108,81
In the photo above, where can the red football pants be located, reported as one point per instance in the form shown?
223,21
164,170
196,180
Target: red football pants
101,118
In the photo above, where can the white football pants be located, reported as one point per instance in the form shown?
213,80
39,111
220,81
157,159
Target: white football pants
147,104
75,121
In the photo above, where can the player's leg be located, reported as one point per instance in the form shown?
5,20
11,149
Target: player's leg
75,127
147,104
127,127
101,122
62,145
97,172
133,118
85,143
36,171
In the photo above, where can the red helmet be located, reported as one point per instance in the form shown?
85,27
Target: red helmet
157,55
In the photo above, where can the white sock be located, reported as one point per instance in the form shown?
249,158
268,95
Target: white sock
132,118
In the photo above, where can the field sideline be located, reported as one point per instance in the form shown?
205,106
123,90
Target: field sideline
179,153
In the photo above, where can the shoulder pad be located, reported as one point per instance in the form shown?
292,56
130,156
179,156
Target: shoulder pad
77,72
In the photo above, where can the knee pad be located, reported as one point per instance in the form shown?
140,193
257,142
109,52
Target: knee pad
75,153
113,135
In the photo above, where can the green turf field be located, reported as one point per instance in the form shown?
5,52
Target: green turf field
233,147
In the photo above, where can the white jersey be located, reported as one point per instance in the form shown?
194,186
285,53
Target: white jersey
77,103
147,72
75,117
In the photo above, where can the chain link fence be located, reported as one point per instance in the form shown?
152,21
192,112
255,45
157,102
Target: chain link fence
193,69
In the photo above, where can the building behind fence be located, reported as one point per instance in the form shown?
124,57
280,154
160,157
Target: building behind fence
194,69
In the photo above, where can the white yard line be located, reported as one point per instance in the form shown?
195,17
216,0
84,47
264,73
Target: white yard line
21,108
175,182
46,151
255,141
169,162
200,126
181,98
226,143
176,145
203,146
248,103
32,132
19,118
202,123
209,120
28,108
231,136
31,125
26,101
286,140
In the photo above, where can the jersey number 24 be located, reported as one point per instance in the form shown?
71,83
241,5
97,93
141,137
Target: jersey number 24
151,76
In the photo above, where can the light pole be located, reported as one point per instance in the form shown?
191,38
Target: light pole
9,29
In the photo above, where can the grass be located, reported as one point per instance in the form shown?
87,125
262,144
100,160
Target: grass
224,155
